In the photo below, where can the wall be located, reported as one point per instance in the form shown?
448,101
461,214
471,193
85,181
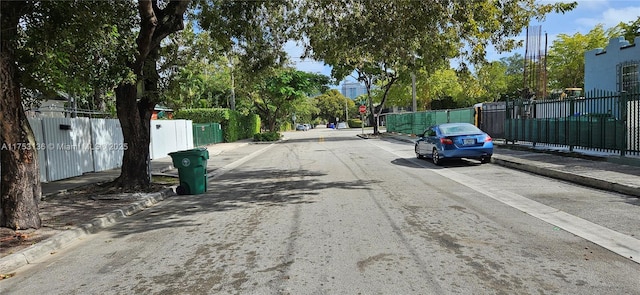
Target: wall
170,136
600,69
67,147
70,147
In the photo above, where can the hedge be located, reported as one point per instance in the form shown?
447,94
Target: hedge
235,126
354,123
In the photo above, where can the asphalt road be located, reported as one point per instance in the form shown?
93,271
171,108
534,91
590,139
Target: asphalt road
329,213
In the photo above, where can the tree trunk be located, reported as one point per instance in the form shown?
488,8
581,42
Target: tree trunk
20,176
371,118
99,103
134,119
134,109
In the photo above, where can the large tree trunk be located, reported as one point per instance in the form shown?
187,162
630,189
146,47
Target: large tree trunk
135,121
134,109
20,184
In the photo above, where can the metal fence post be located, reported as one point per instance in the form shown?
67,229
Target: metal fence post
624,98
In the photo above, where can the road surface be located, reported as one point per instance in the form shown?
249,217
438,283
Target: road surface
329,213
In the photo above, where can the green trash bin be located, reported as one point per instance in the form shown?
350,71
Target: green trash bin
192,170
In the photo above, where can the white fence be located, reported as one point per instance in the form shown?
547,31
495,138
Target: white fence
69,147
169,136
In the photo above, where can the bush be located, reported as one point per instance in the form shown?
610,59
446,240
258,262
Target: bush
267,136
234,125
354,123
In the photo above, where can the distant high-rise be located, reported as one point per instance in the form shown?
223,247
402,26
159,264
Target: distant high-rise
353,89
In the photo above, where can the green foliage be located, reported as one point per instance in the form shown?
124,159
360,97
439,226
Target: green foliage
204,75
267,136
305,110
515,79
331,105
382,39
630,30
277,96
286,126
256,28
67,47
493,80
566,56
354,123
235,126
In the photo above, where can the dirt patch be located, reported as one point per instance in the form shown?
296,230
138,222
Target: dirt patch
68,210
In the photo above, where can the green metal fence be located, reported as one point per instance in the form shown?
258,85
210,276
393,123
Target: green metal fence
416,123
205,134
599,121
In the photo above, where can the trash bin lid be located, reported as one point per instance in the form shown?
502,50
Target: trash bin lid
202,152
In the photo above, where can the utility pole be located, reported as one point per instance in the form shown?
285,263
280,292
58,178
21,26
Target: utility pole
232,105
346,112
413,92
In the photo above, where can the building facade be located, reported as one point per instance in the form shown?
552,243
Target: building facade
353,89
614,68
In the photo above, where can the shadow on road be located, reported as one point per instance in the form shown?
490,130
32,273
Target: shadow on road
447,164
241,189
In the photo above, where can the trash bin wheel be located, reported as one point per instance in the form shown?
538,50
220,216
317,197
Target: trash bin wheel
182,190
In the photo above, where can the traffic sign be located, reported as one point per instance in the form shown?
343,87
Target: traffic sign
362,109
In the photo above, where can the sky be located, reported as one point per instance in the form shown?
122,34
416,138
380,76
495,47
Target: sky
582,19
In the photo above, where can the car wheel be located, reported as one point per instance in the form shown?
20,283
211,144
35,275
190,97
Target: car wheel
435,157
485,160
418,155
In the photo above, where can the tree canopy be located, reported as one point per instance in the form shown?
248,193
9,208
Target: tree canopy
332,104
355,35
54,58
566,55
276,97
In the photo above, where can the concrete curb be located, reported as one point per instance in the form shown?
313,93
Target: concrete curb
537,168
27,256
566,176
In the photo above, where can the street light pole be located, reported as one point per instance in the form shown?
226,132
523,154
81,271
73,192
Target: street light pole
346,112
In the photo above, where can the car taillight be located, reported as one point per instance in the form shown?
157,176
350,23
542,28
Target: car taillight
488,139
446,141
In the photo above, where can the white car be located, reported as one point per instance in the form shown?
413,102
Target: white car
342,125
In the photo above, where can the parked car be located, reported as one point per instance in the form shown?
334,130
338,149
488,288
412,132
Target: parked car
342,125
308,126
454,141
301,127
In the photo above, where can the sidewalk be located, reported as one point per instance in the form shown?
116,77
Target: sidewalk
597,171
43,248
158,166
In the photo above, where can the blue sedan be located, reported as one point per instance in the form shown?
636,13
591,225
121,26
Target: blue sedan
454,141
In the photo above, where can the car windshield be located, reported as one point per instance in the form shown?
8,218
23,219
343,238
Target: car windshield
459,129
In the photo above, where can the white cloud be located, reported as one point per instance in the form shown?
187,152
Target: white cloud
611,17
593,4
